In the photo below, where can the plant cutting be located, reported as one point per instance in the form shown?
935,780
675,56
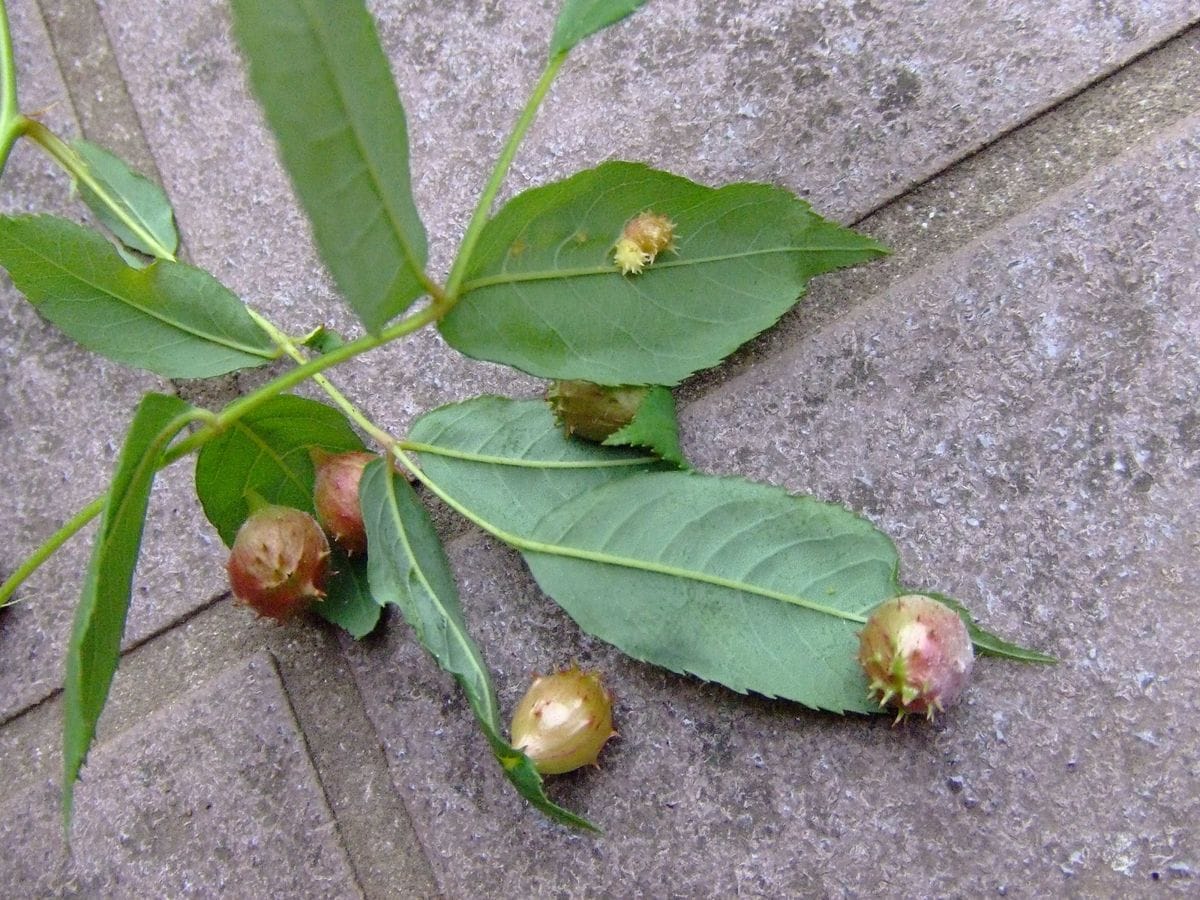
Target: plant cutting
665,277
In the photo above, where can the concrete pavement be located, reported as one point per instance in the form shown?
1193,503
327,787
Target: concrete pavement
1011,396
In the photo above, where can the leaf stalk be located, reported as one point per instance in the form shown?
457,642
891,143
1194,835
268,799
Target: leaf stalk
483,208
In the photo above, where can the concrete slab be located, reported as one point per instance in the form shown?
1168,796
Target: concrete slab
1022,420
848,104
63,412
213,796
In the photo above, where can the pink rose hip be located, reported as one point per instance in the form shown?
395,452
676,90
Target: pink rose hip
917,655
279,562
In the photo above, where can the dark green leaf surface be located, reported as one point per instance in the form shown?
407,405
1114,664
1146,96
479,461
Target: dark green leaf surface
95,645
348,601
582,18
321,76
170,318
133,208
655,425
267,452
545,296
407,566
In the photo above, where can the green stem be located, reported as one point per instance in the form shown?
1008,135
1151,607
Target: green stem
483,209
74,166
288,346
50,546
217,423
11,121
293,377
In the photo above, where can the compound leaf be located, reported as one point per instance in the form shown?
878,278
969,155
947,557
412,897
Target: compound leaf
544,294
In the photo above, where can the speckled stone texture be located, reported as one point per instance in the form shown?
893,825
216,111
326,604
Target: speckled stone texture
63,413
1022,420
213,796
1019,415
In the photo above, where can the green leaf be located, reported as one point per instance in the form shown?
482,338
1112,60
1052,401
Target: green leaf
655,425
323,339
408,567
170,318
267,452
985,642
95,644
323,80
582,18
545,296
512,460
133,208
348,601
735,582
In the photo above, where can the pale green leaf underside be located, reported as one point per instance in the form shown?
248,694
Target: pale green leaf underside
323,80
169,318
544,295
731,581
511,461
407,566
133,208
581,18
267,452
734,582
95,644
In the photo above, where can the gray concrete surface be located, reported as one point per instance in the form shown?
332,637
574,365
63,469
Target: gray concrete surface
63,412
1011,396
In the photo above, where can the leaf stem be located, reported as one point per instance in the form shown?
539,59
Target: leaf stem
293,377
68,530
215,423
63,154
288,346
10,118
483,208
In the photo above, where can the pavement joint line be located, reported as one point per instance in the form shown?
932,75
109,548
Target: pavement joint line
306,742
1101,77
78,34
996,184
153,642
947,260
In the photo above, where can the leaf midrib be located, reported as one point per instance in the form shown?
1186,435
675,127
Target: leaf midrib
586,271
532,546
464,643
410,256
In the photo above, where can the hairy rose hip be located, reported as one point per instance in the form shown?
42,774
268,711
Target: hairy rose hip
279,562
917,655
335,497
593,411
563,721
